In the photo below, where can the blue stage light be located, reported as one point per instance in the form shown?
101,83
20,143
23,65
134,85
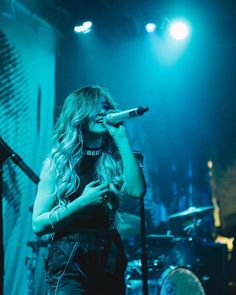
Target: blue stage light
179,30
85,28
150,27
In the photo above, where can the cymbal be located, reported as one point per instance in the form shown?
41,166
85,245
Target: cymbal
191,211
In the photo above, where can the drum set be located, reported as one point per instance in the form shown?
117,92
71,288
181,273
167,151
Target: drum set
178,261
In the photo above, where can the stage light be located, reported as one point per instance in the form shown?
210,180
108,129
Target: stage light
85,28
210,164
87,25
150,27
179,30
78,29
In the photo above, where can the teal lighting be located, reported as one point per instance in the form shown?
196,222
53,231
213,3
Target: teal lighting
85,28
150,27
179,30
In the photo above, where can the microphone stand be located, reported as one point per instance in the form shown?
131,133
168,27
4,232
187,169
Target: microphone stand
144,248
5,153
139,158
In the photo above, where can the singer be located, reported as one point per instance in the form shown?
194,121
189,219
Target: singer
90,165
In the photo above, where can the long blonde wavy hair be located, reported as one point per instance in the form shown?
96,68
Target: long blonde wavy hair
79,109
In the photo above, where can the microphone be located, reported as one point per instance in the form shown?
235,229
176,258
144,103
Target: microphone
115,118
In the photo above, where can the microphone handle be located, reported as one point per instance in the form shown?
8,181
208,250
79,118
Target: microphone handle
116,118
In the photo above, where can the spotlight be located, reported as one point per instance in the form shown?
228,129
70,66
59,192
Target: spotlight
210,164
179,30
150,27
85,28
87,25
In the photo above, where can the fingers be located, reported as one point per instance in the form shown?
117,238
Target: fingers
111,129
93,183
108,126
104,188
105,191
96,184
114,128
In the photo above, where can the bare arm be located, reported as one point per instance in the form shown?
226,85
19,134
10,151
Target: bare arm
47,219
134,179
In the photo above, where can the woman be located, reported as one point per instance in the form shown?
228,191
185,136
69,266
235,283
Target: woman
91,163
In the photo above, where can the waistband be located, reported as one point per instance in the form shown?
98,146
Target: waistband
86,232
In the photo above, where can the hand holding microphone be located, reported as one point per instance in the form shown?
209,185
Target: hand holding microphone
111,121
115,118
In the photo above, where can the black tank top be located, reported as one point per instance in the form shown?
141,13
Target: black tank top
102,216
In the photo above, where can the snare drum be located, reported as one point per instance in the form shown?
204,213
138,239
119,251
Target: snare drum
170,281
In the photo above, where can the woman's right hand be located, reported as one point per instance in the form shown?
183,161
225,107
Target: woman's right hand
94,194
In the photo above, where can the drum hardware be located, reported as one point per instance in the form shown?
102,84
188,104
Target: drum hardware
170,250
134,266
173,280
192,211
192,228
205,278
192,223
167,253
205,259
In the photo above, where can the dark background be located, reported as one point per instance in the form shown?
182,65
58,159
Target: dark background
189,89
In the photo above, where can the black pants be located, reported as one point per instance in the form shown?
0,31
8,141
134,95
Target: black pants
88,264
